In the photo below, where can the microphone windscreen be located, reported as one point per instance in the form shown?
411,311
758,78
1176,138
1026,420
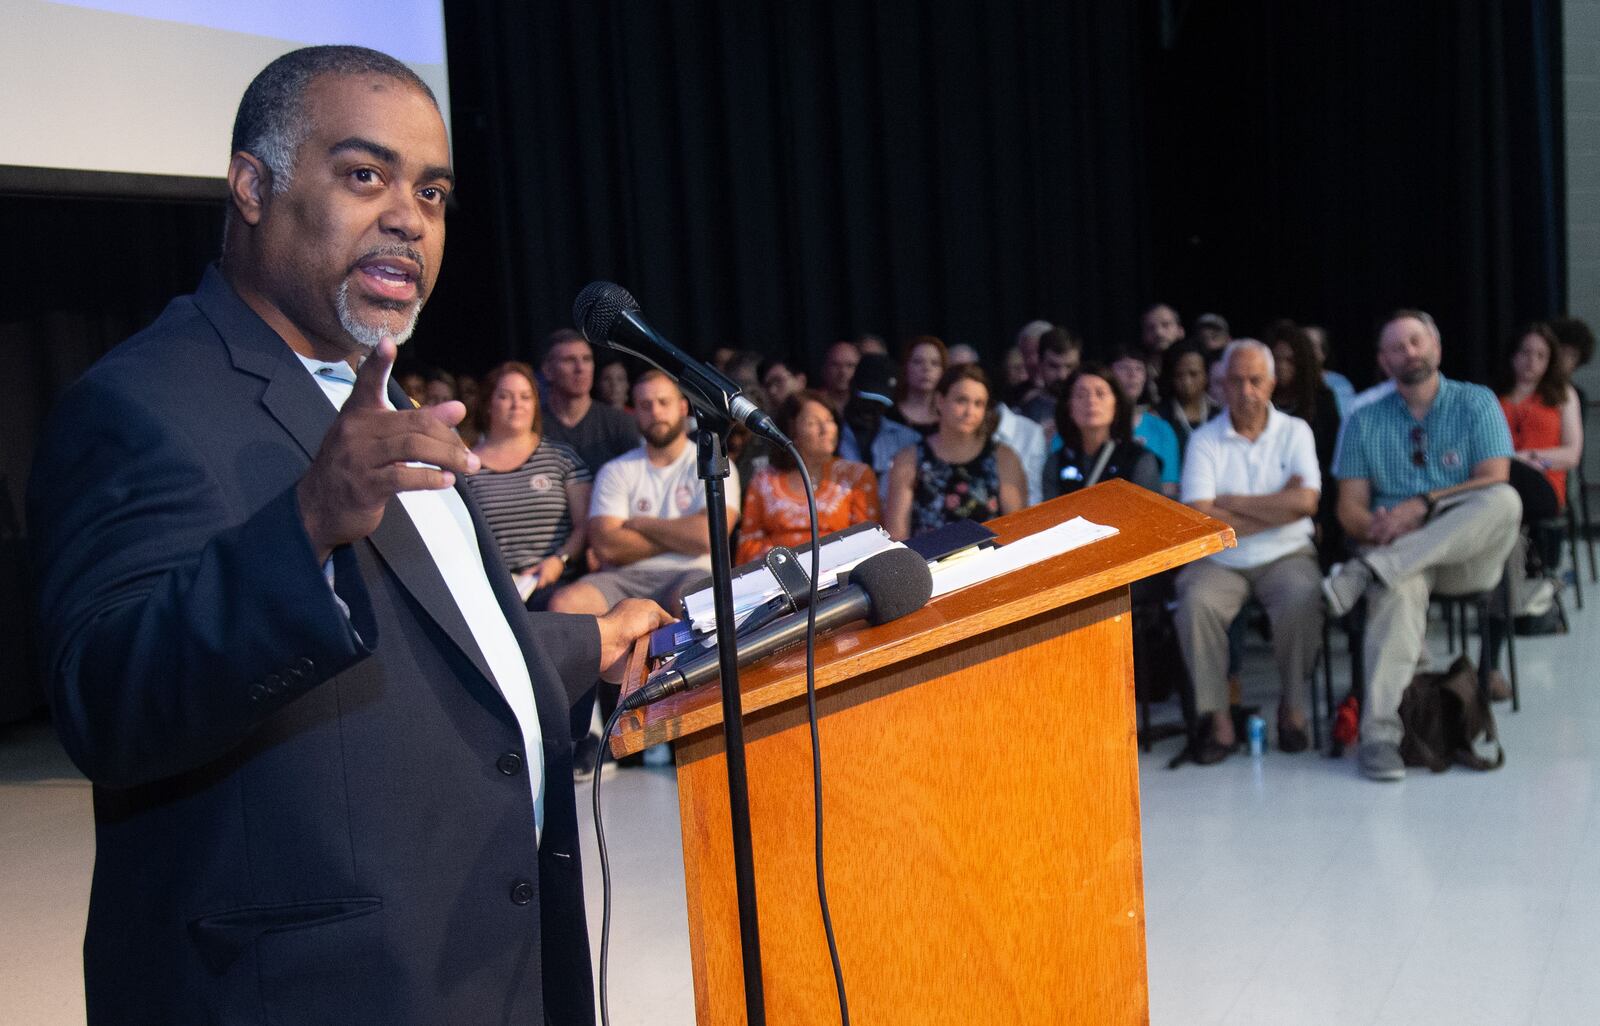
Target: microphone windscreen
897,581
597,308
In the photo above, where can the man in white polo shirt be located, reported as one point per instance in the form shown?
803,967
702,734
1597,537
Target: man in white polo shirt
1256,470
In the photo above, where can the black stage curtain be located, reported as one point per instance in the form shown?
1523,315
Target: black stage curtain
776,175
773,175
1332,161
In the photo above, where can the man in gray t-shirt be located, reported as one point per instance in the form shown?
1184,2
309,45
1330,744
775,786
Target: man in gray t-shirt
597,432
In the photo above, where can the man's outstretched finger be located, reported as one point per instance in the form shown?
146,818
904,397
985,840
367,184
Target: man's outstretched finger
372,380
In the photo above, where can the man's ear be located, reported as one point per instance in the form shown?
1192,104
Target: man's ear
249,186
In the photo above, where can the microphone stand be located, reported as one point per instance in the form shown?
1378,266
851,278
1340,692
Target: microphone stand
712,465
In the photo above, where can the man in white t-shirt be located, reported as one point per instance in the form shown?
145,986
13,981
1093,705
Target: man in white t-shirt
647,513
1256,470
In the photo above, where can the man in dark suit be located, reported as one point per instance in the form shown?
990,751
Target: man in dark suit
329,748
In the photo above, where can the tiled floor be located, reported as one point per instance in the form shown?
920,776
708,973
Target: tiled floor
1284,890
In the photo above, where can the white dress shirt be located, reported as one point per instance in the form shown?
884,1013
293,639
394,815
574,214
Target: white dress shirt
446,528
1027,439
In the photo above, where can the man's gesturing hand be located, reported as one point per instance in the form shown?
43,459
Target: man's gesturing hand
365,458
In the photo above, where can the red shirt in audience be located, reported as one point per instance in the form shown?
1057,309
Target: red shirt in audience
1535,425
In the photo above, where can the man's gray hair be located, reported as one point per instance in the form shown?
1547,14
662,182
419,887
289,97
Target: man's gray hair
1033,329
271,122
1241,344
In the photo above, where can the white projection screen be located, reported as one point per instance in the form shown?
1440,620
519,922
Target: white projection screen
136,97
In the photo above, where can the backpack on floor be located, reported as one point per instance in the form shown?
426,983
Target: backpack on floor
1444,716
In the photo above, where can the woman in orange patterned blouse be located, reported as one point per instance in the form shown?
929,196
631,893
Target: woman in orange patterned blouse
775,501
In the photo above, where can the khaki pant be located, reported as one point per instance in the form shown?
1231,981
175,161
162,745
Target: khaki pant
1209,598
1461,550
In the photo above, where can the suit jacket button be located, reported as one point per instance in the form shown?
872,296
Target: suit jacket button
510,764
273,683
521,892
304,666
257,692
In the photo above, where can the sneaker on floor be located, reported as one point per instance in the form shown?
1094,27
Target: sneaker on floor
1381,761
1344,586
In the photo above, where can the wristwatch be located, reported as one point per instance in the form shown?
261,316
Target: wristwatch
564,556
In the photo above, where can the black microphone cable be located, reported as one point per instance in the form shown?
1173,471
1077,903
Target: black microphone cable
816,741
816,781
605,864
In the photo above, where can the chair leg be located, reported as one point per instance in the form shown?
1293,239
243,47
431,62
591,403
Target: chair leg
1358,662
1572,546
1485,644
1588,536
1511,643
1327,682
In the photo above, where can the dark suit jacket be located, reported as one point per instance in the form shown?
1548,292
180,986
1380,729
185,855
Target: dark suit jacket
296,822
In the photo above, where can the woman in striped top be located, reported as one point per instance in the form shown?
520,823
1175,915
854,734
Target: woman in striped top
533,492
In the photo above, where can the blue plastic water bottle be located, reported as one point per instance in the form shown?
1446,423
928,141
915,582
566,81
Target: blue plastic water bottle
1257,732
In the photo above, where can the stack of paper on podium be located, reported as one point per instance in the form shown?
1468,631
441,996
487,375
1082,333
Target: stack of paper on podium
754,585
981,564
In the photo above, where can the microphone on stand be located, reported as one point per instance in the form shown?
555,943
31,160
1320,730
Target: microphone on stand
881,588
608,315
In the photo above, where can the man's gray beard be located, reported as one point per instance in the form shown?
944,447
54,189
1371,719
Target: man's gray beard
368,336
1417,377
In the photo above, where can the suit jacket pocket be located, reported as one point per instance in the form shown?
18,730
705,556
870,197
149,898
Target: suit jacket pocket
223,936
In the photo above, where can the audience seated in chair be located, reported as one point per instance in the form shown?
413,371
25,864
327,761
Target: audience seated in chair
922,363
647,519
1301,392
1255,468
1184,403
1541,409
1022,435
775,510
1160,328
1156,434
1060,352
533,492
1096,437
1425,504
838,372
958,472
868,435
596,431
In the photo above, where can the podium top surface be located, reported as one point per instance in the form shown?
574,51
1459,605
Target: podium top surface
1153,534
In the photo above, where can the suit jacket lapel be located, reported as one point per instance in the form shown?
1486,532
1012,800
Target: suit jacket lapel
295,401
400,544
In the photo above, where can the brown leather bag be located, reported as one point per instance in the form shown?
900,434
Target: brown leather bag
1444,715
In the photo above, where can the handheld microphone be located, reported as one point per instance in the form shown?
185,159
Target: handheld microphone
883,587
608,315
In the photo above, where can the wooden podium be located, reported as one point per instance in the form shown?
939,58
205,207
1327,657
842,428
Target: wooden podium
980,787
